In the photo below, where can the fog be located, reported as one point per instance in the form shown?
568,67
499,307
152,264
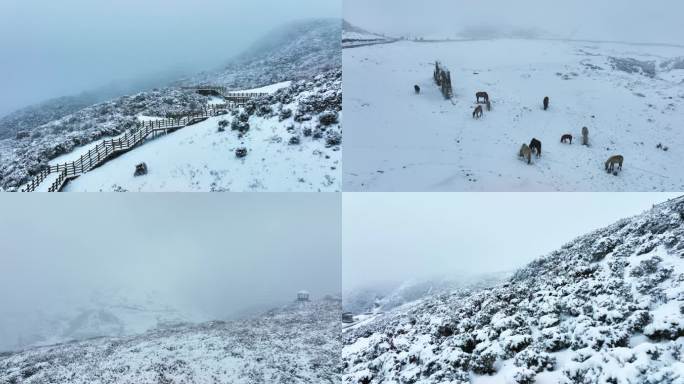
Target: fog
218,255
612,20
57,48
394,237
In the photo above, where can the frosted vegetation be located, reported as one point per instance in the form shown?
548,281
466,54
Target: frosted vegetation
605,308
31,138
297,344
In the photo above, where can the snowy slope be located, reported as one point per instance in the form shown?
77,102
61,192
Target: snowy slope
111,312
290,147
297,51
605,308
629,96
294,51
294,345
384,297
353,36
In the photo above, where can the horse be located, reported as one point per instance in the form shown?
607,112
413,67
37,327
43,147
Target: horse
585,136
535,145
483,95
525,153
610,163
546,103
566,137
477,113
416,88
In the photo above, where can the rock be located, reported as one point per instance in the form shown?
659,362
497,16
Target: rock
140,169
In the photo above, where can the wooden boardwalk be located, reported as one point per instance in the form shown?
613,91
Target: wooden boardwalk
234,97
109,149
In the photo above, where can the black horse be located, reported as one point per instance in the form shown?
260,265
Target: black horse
416,88
535,145
546,103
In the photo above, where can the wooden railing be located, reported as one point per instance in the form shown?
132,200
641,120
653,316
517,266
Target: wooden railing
225,93
108,148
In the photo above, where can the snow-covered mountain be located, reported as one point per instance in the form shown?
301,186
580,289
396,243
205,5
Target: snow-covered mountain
629,96
607,307
296,344
298,51
291,141
295,51
111,312
384,297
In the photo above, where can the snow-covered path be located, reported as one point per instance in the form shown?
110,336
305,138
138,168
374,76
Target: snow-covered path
397,140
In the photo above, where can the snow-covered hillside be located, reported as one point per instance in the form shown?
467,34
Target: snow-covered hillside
607,307
631,98
384,297
292,140
119,312
294,51
294,345
298,51
353,36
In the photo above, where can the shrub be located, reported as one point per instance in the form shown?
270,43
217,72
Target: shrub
328,118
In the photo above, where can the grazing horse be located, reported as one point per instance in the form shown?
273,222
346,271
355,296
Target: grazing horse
483,95
546,103
585,136
525,153
489,106
566,137
477,113
610,163
535,145
416,88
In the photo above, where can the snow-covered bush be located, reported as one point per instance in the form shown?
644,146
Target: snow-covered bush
535,360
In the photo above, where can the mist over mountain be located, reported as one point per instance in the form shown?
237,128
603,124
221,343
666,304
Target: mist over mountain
294,51
296,343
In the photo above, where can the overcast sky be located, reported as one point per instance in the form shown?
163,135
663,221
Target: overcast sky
392,237
218,254
56,48
634,21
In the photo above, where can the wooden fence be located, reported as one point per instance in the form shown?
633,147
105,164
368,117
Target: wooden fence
236,97
108,149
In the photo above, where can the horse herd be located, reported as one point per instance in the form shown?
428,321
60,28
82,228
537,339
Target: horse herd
526,150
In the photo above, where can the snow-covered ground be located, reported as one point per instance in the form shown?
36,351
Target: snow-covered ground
631,98
604,308
298,344
201,158
268,88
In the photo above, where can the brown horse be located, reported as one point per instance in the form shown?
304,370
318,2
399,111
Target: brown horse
477,113
566,137
525,153
610,163
535,145
585,136
546,103
483,95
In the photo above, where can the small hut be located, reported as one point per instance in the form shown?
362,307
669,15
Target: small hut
303,296
347,317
